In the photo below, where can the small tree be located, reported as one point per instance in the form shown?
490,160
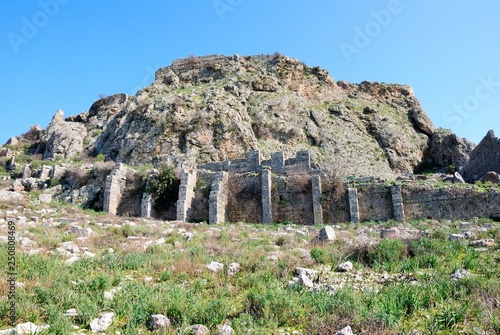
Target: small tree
164,187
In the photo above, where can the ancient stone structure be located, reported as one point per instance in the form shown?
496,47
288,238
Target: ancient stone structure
267,208
218,199
397,203
45,172
257,190
353,204
115,185
186,194
485,157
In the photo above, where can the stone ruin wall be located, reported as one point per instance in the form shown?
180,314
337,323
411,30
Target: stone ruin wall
278,190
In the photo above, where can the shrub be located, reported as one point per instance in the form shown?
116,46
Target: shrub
318,255
164,187
100,158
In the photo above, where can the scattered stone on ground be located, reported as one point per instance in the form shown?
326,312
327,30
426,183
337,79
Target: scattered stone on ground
345,267
345,331
100,324
224,330
158,322
215,267
460,274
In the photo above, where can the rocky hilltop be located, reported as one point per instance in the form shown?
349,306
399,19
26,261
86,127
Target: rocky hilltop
213,108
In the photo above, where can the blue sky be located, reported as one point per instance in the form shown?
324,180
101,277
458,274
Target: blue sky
61,54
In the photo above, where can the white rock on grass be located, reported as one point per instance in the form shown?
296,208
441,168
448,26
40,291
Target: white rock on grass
345,267
304,280
215,267
345,331
482,243
460,274
110,295
100,324
233,268
71,247
30,328
72,259
312,274
198,330
456,237
224,330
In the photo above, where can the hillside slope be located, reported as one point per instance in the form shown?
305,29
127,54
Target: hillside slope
217,107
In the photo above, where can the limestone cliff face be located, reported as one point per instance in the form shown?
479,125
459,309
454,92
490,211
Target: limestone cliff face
217,107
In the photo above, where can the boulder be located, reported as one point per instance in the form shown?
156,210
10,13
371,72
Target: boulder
198,330
490,177
102,323
312,274
460,274
482,243
389,233
446,149
345,267
12,141
456,237
305,281
215,267
327,234
7,196
224,330
63,138
158,322
421,121
233,268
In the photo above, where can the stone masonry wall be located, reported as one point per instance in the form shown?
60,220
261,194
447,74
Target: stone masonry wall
485,157
278,190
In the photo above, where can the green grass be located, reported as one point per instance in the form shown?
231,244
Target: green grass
257,300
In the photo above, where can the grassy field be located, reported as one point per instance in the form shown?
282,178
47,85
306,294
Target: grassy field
396,287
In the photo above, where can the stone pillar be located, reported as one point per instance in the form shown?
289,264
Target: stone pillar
397,203
267,214
11,164
26,171
217,201
57,172
115,183
45,172
303,158
146,205
278,162
353,204
186,194
316,199
253,159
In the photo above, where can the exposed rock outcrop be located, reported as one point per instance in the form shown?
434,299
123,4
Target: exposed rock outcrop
446,149
217,107
484,158
62,138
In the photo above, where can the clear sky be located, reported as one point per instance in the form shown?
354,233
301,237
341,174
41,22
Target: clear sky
61,54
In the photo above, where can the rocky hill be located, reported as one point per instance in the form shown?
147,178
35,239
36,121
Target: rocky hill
215,108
